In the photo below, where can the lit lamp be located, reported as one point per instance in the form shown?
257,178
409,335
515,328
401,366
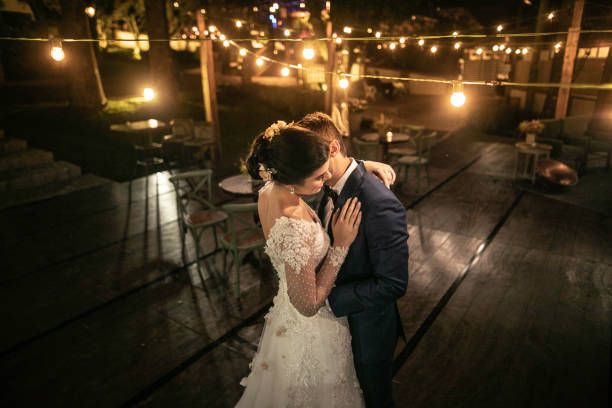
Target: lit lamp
308,53
285,71
348,30
259,62
148,94
153,123
551,15
457,99
243,52
500,27
389,137
434,49
238,24
338,40
90,11
343,83
392,46
226,43
496,48
57,53
287,33
421,42
457,45
479,51
377,34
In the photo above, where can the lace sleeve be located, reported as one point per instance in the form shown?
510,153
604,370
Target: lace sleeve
306,288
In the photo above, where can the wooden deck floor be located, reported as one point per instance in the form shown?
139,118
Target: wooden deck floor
509,300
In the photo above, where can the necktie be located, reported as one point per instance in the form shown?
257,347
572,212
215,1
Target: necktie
329,192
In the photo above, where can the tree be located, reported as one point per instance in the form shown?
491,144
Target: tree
161,67
86,89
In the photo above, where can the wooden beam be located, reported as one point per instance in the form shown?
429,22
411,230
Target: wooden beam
535,55
330,77
571,49
209,86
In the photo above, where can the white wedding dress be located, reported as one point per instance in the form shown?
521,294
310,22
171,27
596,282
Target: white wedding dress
304,357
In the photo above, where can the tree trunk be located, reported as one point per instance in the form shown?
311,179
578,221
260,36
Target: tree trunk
86,89
161,67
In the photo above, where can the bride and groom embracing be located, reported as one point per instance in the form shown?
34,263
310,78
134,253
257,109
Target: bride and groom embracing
330,336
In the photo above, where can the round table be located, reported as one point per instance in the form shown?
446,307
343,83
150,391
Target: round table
240,184
531,154
385,141
145,150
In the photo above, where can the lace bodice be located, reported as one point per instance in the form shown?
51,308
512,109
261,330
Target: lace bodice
306,264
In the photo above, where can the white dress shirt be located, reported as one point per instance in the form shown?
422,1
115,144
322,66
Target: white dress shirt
329,206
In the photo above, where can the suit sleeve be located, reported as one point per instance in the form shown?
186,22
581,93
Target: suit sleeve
387,242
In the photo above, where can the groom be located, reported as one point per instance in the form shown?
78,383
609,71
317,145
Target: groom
375,272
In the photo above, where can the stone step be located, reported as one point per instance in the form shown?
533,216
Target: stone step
24,158
10,145
34,176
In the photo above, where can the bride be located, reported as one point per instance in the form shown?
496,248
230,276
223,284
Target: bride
304,357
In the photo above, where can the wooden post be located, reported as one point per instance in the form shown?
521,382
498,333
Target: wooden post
604,96
571,48
330,78
209,86
535,56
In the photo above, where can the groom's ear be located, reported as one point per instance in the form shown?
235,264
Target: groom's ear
334,148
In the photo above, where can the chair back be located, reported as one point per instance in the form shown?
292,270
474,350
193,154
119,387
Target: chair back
365,150
240,223
192,186
424,144
182,128
413,130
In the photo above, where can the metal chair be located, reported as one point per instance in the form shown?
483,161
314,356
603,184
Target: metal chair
196,212
243,236
365,150
419,160
406,149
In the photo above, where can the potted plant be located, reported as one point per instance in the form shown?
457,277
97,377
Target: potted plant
531,128
356,108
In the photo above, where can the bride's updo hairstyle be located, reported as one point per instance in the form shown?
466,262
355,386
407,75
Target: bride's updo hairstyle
286,153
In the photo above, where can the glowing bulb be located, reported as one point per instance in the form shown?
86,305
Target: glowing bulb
275,5
348,30
525,51
153,123
308,53
379,46
334,35
389,136
243,52
338,40
508,50
90,11
421,42
455,33
551,15
203,11
175,4
402,40
343,83
392,46
457,46
239,24
259,62
500,27
369,30
518,51
434,49
287,32
285,71
272,9
502,46
302,5
255,9
479,51
496,48
226,43
558,45
148,94
377,35
457,99
222,37
57,53
212,28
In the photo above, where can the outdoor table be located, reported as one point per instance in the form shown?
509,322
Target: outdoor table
386,141
147,147
531,154
240,184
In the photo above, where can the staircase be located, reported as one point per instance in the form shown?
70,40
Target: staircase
28,174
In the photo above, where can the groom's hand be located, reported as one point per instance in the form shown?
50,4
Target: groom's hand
383,172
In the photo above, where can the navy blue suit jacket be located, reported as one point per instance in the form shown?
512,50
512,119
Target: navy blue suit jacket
375,272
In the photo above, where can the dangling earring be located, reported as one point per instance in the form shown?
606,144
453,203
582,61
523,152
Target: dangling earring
291,190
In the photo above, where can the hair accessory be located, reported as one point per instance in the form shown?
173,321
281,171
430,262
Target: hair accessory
275,128
266,173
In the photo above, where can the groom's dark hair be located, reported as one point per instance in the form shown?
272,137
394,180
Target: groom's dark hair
321,124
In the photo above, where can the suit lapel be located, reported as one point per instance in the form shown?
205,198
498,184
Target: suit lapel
352,185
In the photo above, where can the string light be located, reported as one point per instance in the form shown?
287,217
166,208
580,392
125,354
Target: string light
402,40
243,52
308,53
377,35
457,99
508,50
343,83
500,27
287,32
455,33
176,4
433,49
238,24
90,11
275,5
496,48
525,51
259,62
302,5
148,94
421,42
392,46
338,40
551,15
502,46
457,45
479,51
202,11
255,9
285,71
57,52
348,30
222,37
212,28
379,46
518,51
226,43
369,30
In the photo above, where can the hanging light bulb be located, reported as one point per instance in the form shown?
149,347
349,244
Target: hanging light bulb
347,30
377,35
275,5
479,51
499,28
457,45
455,33
176,4
287,32
392,46
457,99
259,62
402,40
502,46
226,43
285,71
518,51
379,46
343,83
308,53
551,15
525,51
148,94
57,52
369,30
496,48
222,37
212,28
243,52
508,50
238,24
421,42
433,49
90,11
302,5
338,40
